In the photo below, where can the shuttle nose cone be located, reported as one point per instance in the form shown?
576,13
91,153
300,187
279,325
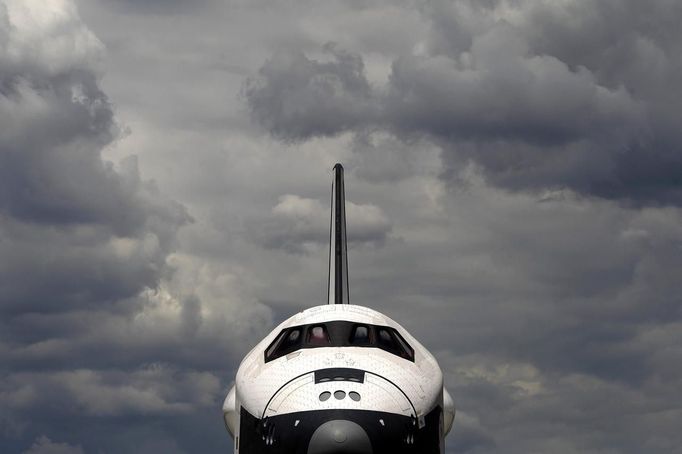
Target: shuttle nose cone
340,437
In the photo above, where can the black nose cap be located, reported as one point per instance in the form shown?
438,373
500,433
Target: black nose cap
340,437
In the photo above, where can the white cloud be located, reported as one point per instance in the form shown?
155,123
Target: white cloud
49,35
44,445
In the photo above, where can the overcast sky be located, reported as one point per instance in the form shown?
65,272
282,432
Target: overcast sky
514,184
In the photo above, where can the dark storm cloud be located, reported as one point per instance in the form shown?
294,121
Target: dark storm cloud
536,95
296,97
74,230
81,241
555,317
116,405
55,125
154,390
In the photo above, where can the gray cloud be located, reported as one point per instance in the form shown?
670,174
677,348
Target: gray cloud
296,97
497,91
297,223
383,158
191,315
163,7
554,315
74,230
154,390
546,323
533,105
85,245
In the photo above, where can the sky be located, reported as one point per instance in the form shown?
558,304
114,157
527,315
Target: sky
514,186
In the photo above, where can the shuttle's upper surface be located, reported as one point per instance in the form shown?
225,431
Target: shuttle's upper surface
418,376
338,378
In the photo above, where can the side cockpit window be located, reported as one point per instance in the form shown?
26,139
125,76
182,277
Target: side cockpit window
406,351
387,342
289,340
390,340
339,333
270,352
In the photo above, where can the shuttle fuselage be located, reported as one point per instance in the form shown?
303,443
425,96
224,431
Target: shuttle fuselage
338,378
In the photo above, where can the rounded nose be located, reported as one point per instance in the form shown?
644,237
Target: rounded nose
340,437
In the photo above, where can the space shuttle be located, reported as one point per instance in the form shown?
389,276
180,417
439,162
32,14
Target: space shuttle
338,378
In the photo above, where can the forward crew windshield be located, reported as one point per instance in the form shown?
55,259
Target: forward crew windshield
339,334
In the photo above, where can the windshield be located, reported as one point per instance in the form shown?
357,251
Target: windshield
339,334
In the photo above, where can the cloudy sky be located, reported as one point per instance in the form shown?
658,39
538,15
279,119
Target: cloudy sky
514,176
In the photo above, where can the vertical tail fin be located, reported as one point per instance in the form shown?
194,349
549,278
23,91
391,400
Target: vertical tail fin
338,255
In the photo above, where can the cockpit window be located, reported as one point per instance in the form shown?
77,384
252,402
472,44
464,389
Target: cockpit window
273,346
391,341
293,338
289,340
339,334
406,351
385,338
360,335
317,335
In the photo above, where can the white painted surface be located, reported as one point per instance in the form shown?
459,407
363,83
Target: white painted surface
287,385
